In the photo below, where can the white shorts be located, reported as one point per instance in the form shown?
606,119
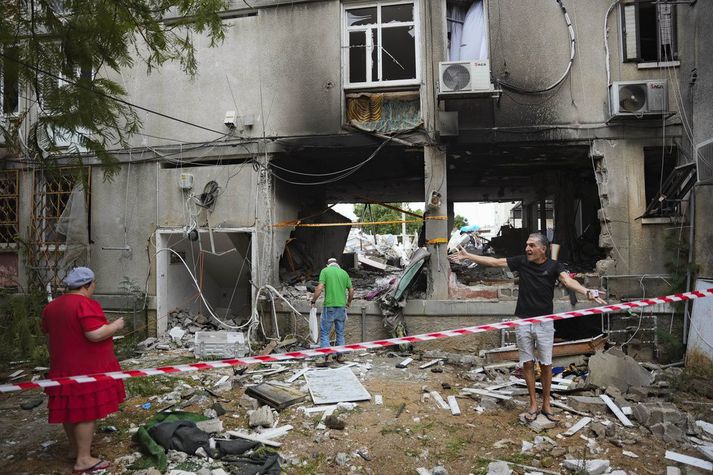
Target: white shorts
538,337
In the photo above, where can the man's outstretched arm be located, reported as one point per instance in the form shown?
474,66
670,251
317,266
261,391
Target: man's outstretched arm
572,284
486,261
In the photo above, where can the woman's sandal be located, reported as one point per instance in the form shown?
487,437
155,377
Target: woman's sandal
100,465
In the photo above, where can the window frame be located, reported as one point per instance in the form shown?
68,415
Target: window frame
623,34
11,175
345,30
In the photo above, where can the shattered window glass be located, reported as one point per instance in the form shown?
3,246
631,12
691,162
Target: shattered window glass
399,53
362,16
391,13
357,56
381,43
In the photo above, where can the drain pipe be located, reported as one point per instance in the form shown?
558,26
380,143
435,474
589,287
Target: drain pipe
691,236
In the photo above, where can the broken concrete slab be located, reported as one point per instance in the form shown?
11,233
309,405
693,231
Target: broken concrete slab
648,414
614,368
499,468
688,460
542,423
667,432
587,403
590,467
210,426
576,427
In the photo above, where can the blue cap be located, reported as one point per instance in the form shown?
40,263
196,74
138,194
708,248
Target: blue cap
78,277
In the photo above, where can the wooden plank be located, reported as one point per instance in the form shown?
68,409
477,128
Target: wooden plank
568,348
688,460
615,409
439,400
575,428
246,436
567,408
455,410
430,363
297,375
483,392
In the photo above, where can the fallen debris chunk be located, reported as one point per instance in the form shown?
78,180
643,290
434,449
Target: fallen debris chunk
707,427
499,468
423,471
262,417
579,425
400,410
541,423
378,399
297,375
591,467
453,403
275,396
255,438
688,460
629,453
405,363
430,363
614,368
335,385
439,400
483,392
211,426
32,403
567,408
334,422
615,409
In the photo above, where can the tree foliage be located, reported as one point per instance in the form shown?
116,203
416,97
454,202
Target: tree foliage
460,221
62,55
372,212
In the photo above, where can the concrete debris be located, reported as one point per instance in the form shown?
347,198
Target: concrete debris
334,422
439,470
614,368
590,467
261,417
211,426
579,425
499,468
542,423
617,412
176,333
688,460
587,403
648,414
342,458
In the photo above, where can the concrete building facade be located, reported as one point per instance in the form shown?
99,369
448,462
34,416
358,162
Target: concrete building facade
338,101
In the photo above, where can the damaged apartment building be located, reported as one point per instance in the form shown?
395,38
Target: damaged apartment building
591,115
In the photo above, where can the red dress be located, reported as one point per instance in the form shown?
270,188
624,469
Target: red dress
65,320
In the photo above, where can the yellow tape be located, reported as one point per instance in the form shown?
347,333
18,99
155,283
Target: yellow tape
437,241
298,224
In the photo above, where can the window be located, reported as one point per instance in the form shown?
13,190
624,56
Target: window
648,31
8,209
666,184
381,44
467,30
10,84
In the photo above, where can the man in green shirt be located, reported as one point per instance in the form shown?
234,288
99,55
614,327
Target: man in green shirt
338,294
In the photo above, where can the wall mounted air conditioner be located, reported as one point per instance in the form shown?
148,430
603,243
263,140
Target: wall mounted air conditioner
638,98
464,77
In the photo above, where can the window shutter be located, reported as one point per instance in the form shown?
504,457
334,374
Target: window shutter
629,32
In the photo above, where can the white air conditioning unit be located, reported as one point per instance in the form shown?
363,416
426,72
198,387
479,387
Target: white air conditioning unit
463,77
638,98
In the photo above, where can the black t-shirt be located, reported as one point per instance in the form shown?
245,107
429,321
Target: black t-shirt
537,285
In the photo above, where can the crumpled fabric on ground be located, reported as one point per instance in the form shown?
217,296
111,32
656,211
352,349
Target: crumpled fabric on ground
155,454
254,464
180,435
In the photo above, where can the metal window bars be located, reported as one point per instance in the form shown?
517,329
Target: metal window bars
9,198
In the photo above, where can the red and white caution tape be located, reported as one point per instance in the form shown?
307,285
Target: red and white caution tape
187,368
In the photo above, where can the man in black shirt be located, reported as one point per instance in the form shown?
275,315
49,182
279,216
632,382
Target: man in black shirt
538,275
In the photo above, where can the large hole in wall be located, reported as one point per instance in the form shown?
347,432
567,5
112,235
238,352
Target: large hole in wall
220,262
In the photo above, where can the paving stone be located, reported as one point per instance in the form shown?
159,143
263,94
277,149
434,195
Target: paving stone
542,423
587,403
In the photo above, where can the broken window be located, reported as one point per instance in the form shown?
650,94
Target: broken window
666,184
467,30
380,44
10,83
648,31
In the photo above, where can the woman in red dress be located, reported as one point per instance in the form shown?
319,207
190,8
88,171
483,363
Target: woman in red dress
80,343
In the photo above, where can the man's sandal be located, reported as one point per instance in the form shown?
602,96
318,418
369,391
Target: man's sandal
531,416
550,416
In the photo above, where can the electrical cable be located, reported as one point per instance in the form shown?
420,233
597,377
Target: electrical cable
568,69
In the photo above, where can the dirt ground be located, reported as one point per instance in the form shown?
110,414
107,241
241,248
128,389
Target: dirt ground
423,435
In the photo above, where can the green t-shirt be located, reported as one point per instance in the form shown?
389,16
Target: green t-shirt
336,281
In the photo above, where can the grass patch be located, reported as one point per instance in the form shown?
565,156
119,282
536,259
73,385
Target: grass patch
391,430
314,466
149,386
480,467
455,445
